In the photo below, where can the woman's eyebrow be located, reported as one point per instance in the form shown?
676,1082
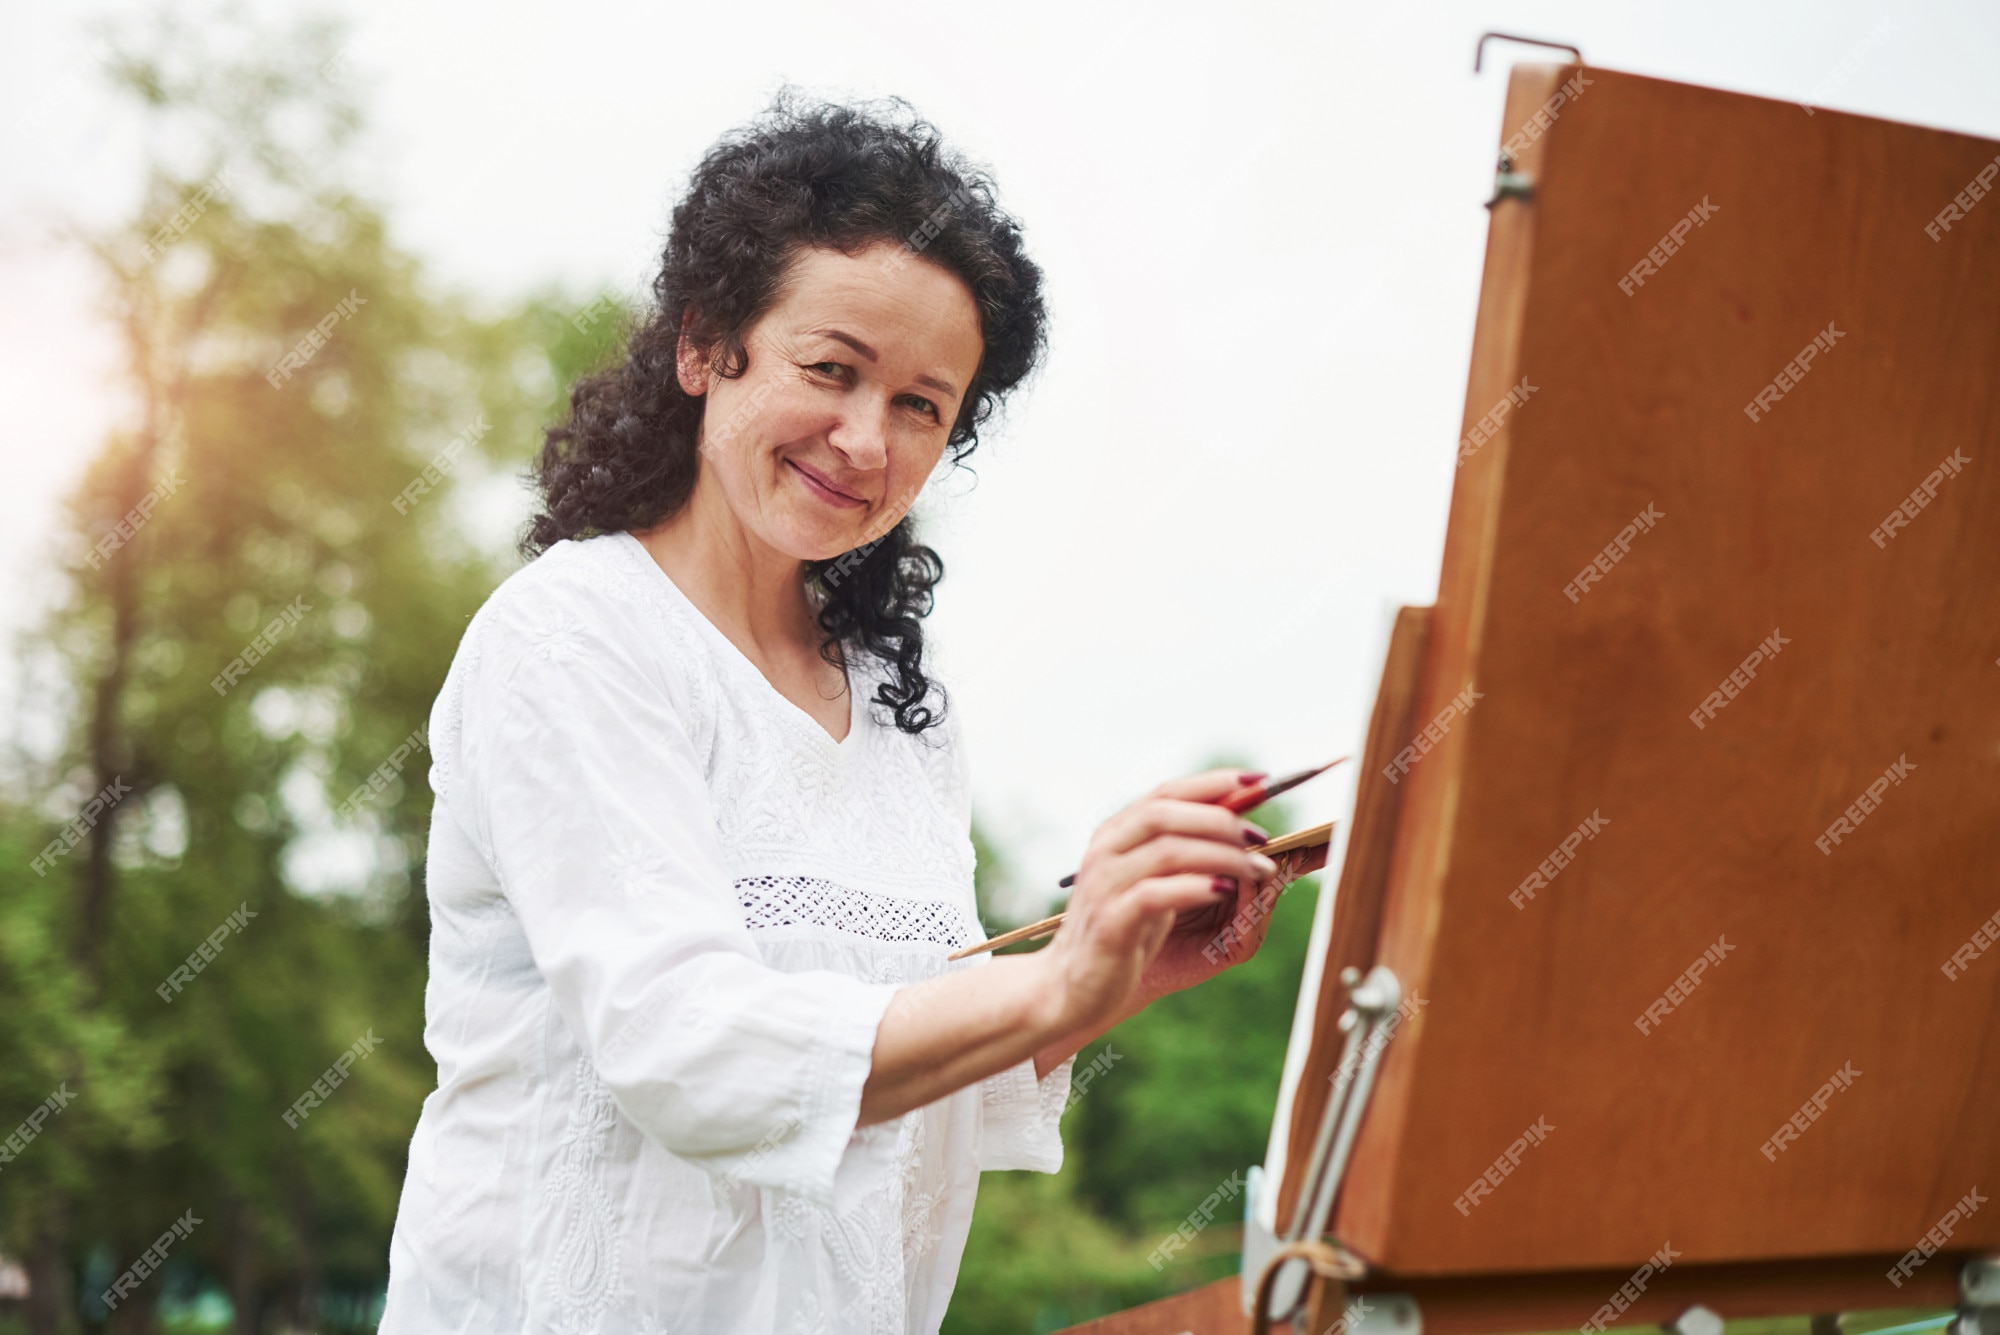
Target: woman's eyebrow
870,355
851,341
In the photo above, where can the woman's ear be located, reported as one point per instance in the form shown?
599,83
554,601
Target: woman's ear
691,363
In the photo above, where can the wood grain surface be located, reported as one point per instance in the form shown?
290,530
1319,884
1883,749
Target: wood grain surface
1880,651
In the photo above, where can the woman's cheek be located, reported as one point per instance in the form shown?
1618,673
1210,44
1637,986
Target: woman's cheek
786,421
910,469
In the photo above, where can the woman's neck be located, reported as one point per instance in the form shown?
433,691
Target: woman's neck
753,593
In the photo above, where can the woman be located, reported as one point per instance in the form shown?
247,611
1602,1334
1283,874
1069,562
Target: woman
701,843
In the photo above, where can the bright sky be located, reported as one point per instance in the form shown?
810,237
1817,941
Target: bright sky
1263,236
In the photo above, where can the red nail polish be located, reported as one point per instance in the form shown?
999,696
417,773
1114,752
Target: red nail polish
1254,836
1223,885
1252,778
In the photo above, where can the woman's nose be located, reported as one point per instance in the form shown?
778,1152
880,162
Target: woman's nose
862,434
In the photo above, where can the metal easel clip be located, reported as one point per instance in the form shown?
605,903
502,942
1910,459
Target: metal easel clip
1510,184
1277,1269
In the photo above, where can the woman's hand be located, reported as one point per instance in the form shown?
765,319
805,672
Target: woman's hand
1173,857
1160,880
1204,943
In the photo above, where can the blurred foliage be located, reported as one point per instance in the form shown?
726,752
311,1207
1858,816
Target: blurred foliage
242,497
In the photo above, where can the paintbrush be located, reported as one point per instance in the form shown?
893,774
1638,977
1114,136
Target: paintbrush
1243,799
1309,842
1251,795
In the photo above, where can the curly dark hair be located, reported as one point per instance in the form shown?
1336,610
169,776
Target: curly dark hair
804,174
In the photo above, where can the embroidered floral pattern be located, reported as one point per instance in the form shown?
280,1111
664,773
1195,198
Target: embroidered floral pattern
557,637
635,867
923,1201
583,1271
864,1245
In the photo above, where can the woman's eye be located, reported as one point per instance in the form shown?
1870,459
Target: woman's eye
834,369
922,405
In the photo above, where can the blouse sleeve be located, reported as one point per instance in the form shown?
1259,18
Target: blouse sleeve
1020,1117
575,777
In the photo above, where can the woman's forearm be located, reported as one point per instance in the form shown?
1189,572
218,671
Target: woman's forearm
946,1033
943,1034
1055,1054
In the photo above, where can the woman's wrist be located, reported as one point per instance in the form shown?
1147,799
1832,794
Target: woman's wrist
1052,1054
1065,1009
1059,1014
1051,1004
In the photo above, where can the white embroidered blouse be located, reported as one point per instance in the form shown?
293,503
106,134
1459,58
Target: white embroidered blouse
667,912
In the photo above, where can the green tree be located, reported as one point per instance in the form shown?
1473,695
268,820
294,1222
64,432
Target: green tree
266,584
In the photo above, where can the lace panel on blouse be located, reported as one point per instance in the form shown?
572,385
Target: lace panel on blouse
809,901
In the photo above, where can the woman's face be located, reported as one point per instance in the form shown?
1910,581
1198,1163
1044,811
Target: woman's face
853,380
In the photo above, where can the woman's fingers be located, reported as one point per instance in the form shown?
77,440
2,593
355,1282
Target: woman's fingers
1140,914
1168,854
1180,893
1210,785
1153,817
1175,855
1108,881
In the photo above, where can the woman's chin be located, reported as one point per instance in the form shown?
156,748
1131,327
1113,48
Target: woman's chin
817,542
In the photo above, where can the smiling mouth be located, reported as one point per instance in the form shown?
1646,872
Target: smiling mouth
824,489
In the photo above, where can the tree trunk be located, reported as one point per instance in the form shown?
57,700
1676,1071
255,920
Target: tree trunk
245,1277
51,1307
312,1263
109,753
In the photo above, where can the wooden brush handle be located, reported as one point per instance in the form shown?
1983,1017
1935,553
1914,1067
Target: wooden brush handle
1318,837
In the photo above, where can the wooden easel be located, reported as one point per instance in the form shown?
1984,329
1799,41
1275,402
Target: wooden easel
1817,814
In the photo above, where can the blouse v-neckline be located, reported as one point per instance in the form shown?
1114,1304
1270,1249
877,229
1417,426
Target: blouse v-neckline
728,649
